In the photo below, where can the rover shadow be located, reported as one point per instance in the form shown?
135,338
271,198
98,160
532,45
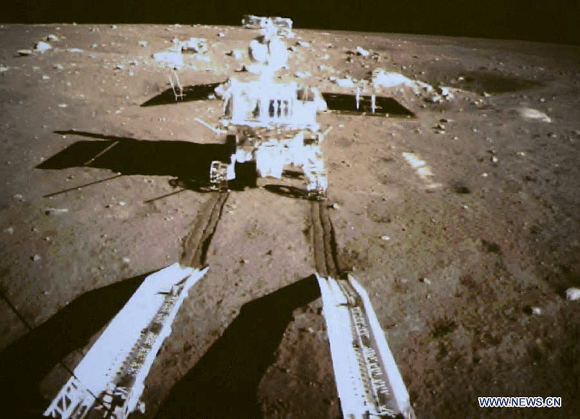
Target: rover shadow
129,156
287,191
24,363
224,382
190,94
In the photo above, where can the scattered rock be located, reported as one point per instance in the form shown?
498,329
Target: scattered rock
303,44
122,204
172,58
119,67
425,281
74,50
302,75
335,206
238,54
24,52
385,238
35,258
9,230
534,114
58,67
221,34
3,69
62,105
42,46
19,197
45,77
361,51
54,211
126,260
143,43
494,159
573,294
196,45
52,38
346,82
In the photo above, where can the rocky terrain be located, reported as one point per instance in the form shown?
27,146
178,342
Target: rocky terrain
461,223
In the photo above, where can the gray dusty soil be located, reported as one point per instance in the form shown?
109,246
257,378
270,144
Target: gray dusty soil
466,268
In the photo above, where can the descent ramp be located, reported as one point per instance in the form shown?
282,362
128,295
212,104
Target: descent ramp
368,381
109,380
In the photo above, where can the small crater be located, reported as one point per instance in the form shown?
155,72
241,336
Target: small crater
442,327
491,247
461,189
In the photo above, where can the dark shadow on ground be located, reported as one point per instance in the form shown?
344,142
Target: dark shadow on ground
288,191
190,94
224,383
491,82
25,363
129,156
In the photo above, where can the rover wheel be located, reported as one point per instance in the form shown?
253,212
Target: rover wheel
218,176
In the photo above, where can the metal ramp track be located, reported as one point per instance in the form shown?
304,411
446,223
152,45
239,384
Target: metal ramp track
368,381
109,380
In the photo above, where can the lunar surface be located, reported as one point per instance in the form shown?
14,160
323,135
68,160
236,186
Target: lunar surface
462,222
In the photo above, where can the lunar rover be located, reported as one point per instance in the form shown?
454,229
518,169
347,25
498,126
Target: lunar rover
269,123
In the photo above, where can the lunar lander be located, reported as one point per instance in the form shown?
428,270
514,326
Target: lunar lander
269,123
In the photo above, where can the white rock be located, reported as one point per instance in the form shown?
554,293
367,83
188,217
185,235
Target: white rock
302,75
9,230
36,258
346,82
126,260
385,238
119,66
303,44
58,66
52,38
74,50
3,69
143,43
54,211
534,114
537,311
62,105
24,52
169,57
196,45
573,294
45,77
362,51
221,34
42,46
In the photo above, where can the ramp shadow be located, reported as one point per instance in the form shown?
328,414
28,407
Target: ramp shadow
24,363
190,94
129,156
224,383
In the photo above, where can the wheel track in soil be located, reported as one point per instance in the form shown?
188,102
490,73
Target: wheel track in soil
198,240
323,240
